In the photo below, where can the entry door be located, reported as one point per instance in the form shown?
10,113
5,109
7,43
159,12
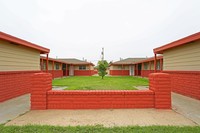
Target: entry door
131,70
71,70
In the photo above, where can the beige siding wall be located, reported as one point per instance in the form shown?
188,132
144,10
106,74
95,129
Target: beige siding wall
119,67
91,67
18,58
186,57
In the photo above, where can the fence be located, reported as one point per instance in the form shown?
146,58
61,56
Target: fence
43,97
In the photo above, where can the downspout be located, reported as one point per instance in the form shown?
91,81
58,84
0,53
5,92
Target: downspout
155,59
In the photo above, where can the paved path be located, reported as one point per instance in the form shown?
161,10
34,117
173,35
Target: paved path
12,108
186,112
186,106
107,118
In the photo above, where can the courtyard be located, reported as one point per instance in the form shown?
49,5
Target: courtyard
96,83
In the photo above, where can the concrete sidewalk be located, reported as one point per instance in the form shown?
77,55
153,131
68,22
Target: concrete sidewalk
14,107
186,111
186,106
107,118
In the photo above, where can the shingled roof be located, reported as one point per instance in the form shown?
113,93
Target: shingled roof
127,61
74,61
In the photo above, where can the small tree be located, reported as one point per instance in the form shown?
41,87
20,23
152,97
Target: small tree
102,67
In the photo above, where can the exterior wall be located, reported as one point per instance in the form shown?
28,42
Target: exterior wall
77,67
13,84
119,72
119,67
83,72
100,99
186,83
158,96
15,57
56,73
183,58
145,73
183,64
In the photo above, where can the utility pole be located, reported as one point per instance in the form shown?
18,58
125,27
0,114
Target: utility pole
102,54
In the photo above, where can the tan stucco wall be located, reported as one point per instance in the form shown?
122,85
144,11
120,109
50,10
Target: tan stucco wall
118,67
186,57
15,57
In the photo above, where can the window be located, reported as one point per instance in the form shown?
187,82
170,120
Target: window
57,66
82,67
145,66
44,66
158,65
121,67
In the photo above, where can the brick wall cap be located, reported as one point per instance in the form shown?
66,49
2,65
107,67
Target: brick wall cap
159,75
42,74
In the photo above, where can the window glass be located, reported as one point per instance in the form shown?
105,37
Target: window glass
57,66
82,67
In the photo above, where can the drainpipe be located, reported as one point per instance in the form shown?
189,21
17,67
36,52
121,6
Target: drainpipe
155,59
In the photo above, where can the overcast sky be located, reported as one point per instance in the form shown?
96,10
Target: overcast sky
80,28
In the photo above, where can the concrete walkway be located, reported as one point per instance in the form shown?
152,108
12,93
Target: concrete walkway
107,118
12,108
186,111
188,107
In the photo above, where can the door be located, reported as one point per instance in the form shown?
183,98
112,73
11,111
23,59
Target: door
64,70
71,70
131,70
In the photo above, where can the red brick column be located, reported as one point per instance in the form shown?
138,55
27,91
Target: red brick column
160,83
41,83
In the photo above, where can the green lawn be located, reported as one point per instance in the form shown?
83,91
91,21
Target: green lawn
98,129
96,83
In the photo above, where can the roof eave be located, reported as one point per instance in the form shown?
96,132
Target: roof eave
177,43
19,41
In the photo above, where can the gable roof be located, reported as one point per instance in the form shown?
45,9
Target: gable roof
52,59
74,61
148,59
127,61
12,39
177,43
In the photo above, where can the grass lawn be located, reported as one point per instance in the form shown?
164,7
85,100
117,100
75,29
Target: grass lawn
96,83
97,129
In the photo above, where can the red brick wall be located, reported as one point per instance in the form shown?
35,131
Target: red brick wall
159,96
56,73
41,83
186,83
119,72
145,73
160,83
100,99
13,84
83,72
